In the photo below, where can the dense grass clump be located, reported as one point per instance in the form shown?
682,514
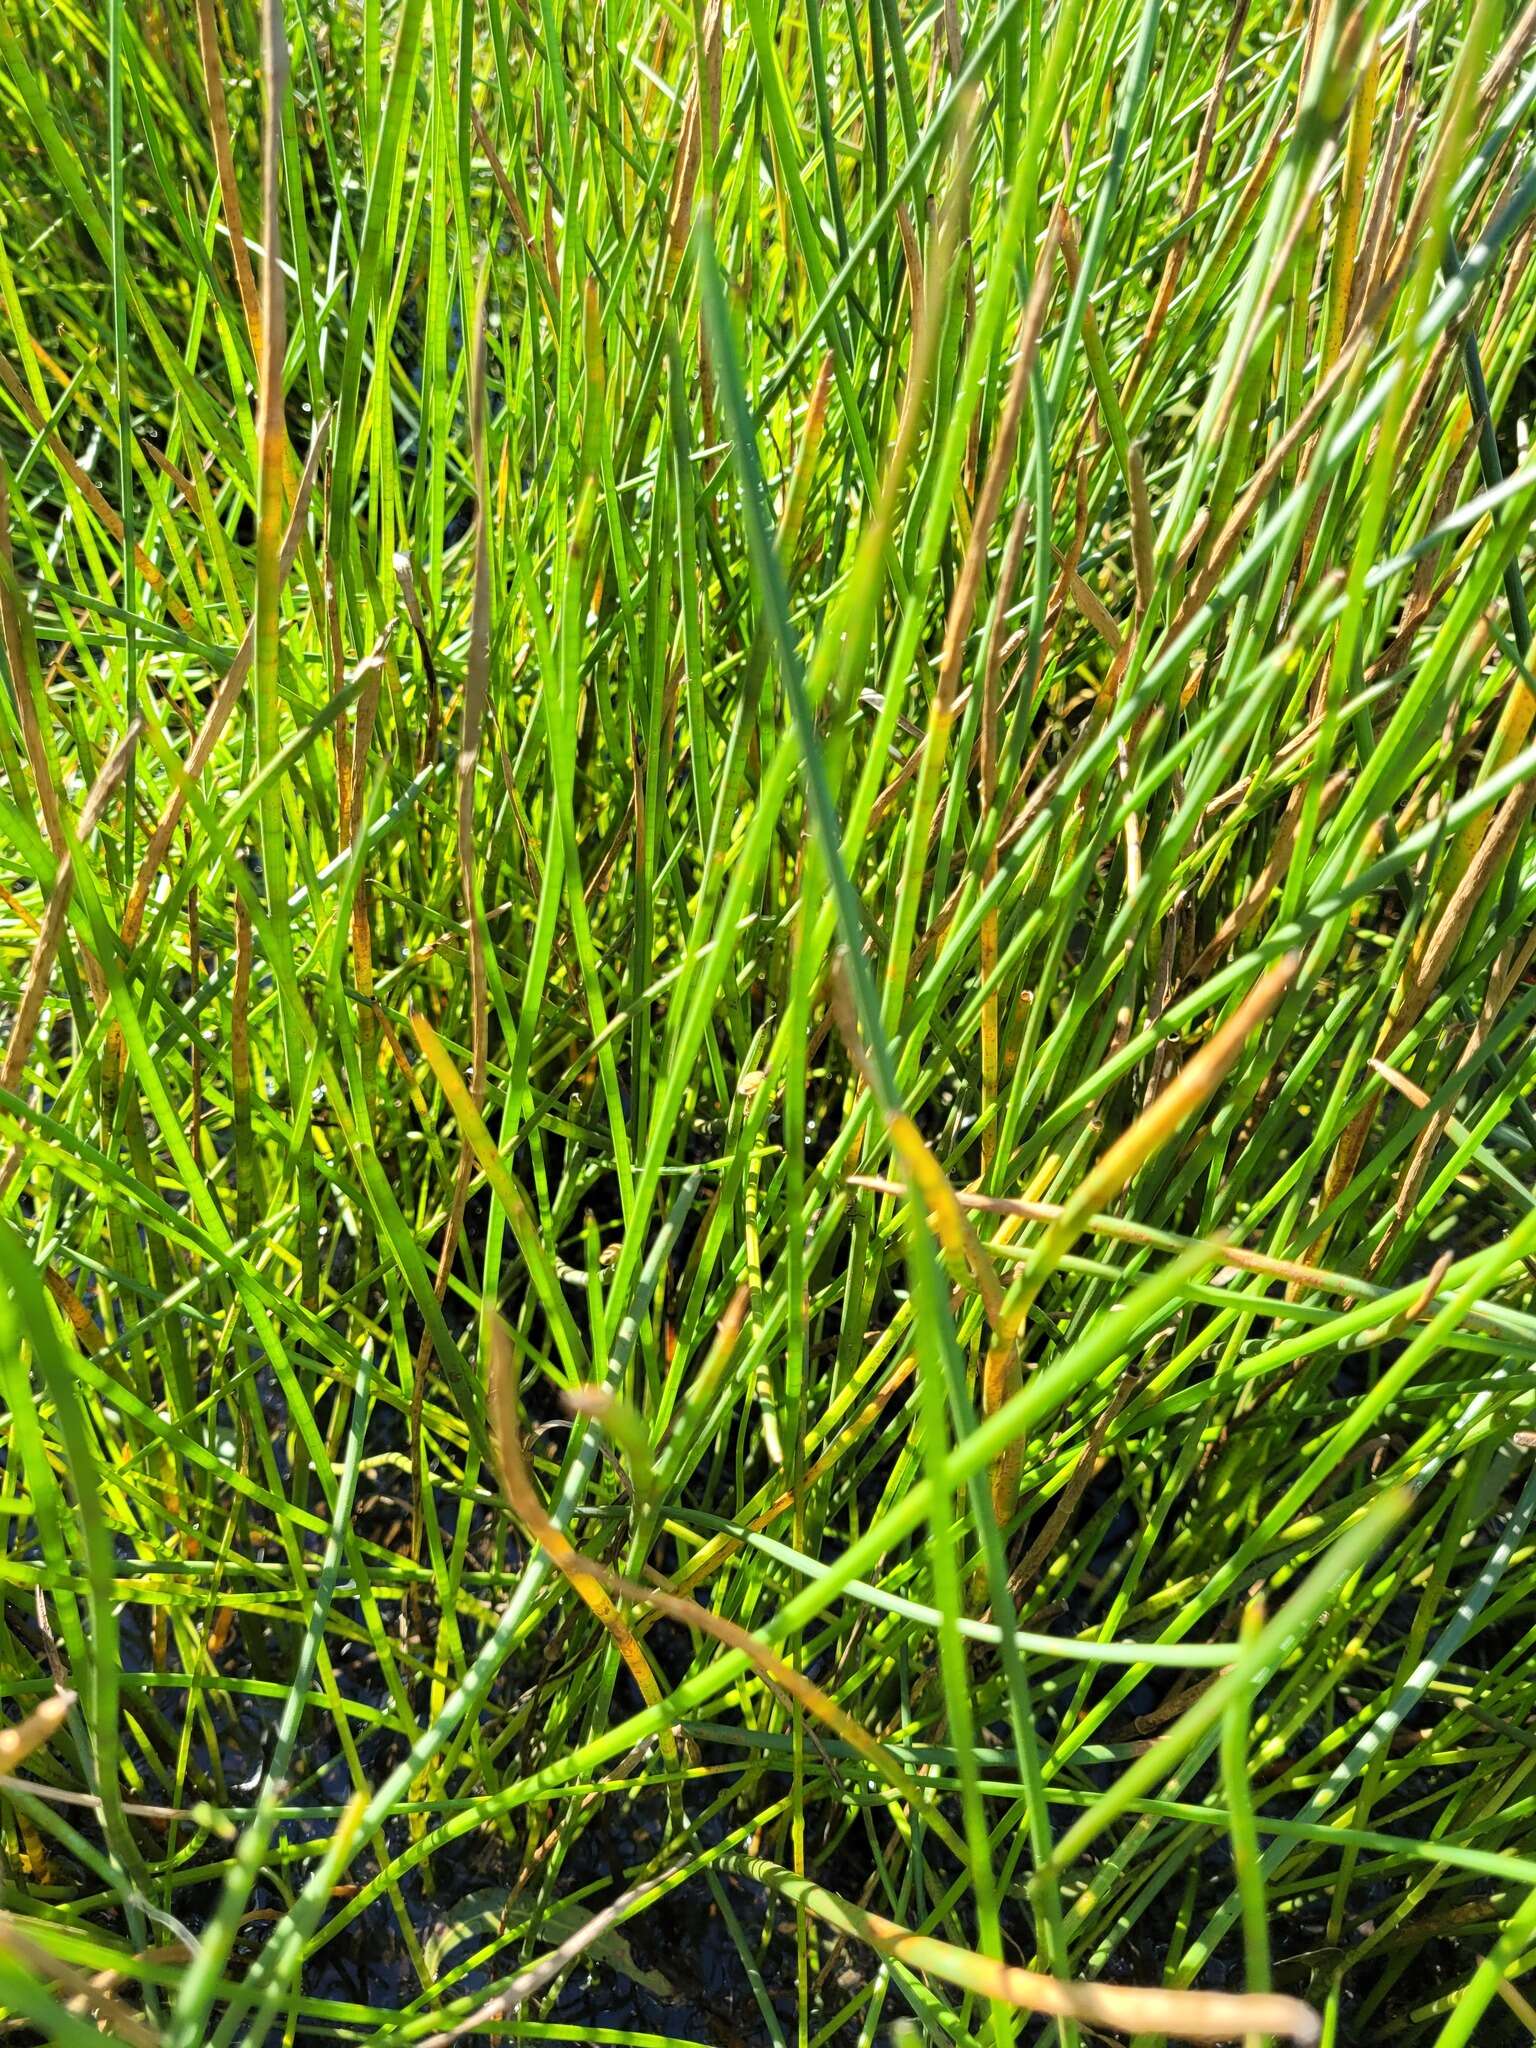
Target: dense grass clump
767,1255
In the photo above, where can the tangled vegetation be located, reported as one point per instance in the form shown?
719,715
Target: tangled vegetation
766,1002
